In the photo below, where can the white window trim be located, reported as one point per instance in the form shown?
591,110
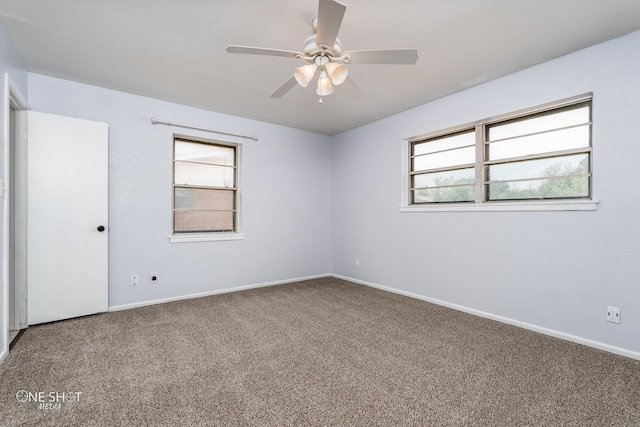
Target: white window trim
492,206
212,236
205,237
589,205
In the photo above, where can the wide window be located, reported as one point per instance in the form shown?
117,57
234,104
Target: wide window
205,186
541,154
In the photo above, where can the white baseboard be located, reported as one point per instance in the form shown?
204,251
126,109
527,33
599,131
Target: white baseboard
209,293
557,334
4,354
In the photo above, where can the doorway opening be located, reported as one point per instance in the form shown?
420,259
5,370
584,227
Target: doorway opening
15,213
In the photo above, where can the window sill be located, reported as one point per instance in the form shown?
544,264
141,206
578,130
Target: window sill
176,238
582,205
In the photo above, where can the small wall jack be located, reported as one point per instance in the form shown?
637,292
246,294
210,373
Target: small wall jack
613,314
153,278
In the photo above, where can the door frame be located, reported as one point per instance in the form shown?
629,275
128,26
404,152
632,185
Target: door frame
13,99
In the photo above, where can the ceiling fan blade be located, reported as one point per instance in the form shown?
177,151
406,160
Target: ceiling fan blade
383,56
262,51
286,87
330,14
350,89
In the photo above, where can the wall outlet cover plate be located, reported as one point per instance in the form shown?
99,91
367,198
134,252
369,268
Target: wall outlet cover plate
613,314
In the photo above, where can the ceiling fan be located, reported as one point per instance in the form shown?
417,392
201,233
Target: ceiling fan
323,53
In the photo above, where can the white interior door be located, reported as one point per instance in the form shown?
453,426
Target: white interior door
67,254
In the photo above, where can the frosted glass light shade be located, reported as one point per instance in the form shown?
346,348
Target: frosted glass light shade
304,74
324,84
337,72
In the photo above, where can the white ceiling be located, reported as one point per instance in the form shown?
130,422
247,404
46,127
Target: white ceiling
175,50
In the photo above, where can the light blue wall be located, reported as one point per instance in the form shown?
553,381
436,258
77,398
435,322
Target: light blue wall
11,64
285,191
553,270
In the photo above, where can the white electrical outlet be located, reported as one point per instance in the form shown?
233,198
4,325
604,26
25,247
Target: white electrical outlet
613,314
134,280
153,278
356,262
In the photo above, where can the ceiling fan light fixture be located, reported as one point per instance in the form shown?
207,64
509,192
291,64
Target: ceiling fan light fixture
324,84
322,51
304,74
337,72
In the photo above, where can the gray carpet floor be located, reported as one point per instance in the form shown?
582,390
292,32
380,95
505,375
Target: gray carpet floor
318,352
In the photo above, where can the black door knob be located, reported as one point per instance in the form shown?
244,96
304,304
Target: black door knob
101,228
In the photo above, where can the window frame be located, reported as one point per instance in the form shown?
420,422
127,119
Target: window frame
205,236
481,201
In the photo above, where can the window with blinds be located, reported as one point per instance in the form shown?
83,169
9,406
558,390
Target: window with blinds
205,192
544,153
540,156
443,168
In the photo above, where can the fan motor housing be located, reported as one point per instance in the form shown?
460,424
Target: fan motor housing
312,49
